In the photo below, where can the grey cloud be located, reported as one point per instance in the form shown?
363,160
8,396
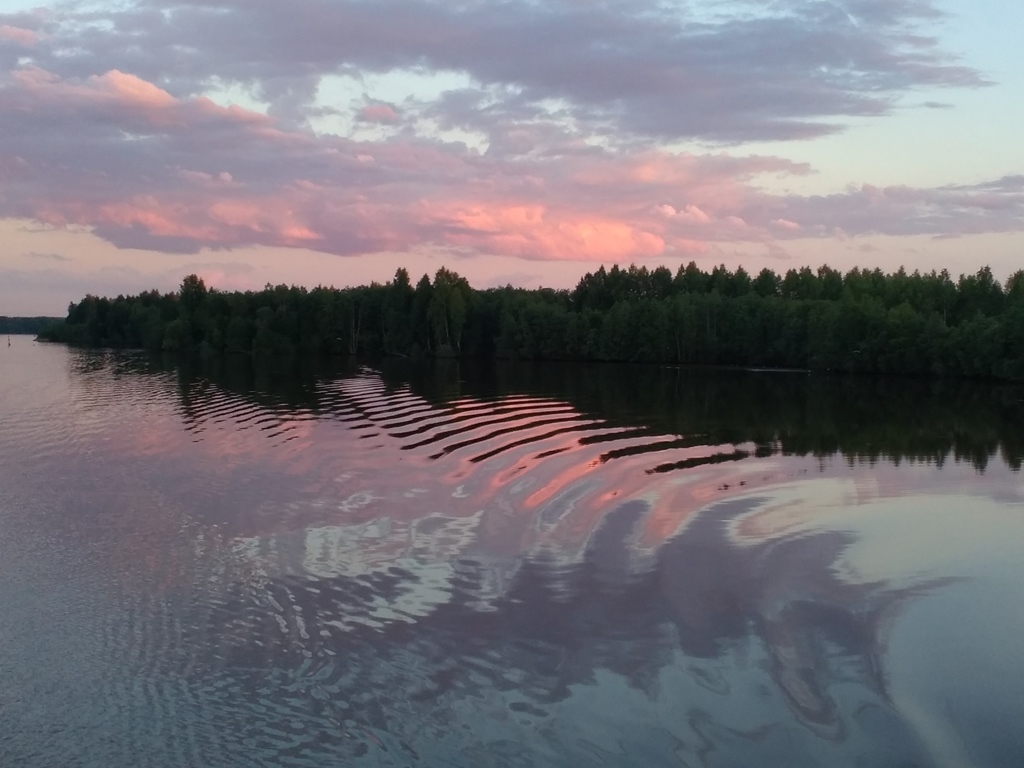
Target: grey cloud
791,71
195,176
141,238
949,211
89,141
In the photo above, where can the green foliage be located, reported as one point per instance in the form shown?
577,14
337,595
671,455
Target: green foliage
863,321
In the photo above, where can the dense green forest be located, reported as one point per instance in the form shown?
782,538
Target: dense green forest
864,320
25,324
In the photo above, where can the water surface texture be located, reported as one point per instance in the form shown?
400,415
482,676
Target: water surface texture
440,565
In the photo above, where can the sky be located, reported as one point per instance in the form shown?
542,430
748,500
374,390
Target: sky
524,142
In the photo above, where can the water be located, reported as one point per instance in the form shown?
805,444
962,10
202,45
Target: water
417,565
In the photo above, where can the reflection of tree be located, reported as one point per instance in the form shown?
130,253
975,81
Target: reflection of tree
335,653
862,418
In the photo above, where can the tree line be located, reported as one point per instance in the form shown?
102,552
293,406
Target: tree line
860,321
32,325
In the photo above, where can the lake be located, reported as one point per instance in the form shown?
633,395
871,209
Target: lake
414,564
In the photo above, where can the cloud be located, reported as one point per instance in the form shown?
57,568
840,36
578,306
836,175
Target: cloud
781,71
379,113
154,171
549,146
995,206
47,256
785,224
24,38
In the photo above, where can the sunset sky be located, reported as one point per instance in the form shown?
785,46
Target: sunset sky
519,141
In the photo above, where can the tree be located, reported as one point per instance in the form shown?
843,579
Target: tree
192,292
767,283
447,308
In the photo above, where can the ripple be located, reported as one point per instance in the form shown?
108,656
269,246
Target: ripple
495,425
352,579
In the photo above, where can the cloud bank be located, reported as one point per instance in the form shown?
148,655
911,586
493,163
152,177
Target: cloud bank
554,131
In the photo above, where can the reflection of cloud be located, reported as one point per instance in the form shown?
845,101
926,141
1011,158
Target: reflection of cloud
565,630
339,580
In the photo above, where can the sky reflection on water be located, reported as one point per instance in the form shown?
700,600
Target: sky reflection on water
508,567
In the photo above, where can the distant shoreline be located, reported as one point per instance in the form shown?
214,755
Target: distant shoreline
25,326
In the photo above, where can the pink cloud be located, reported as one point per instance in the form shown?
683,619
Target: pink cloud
222,222
379,113
23,37
148,169
117,97
131,89
694,214
786,224
112,89
537,233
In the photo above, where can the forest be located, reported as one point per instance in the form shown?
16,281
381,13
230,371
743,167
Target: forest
31,325
860,321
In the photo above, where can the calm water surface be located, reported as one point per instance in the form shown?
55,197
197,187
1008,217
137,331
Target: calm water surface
514,566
